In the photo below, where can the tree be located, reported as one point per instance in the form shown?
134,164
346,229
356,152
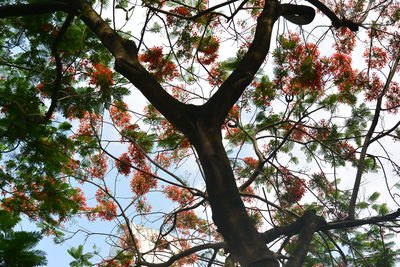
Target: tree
283,141
16,246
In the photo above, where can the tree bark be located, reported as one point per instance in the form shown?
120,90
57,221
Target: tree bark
229,212
200,125
310,223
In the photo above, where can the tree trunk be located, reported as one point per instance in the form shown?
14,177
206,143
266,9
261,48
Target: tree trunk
229,213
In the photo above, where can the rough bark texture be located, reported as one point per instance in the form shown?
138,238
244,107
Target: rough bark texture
309,224
229,213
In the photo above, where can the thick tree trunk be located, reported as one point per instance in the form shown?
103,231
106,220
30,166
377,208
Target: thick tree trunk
229,213
202,126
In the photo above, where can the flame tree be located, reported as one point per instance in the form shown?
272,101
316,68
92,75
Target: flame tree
287,109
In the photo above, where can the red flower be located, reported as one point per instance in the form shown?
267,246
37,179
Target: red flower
180,10
101,76
294,187
346,41
106,209
208,46
119,114
375,57
88,123
297,131
252,162
99,166
142,182
159,65
178,194
217,75
123,164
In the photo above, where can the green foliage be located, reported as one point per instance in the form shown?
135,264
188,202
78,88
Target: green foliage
231,63
330,102
357,122
16,247
267,122
264,92
239,135
80,259
374,196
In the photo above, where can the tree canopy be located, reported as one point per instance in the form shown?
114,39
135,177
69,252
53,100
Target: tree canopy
258,133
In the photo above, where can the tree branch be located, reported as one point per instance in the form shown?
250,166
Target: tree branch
355,223
185,253
127,63
336,22
311,222
368,137
57,58
230,91
35,8
295,227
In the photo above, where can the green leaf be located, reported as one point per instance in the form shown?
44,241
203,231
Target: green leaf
16,246
65,126
363,205
374,196
294,159
155,28
81,259
7,220
383,209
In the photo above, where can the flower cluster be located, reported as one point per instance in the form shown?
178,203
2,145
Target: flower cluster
345,40
320,131
180,11
142,182
374,86
319,182
119,114
100,76
375,57
344,76
264,92
347,151
294,187
297,132
217,75
159,65
88,124
123,164
106,208
252,162
393,99
299,67
98,167
189,220
208,46
178,194
142,206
